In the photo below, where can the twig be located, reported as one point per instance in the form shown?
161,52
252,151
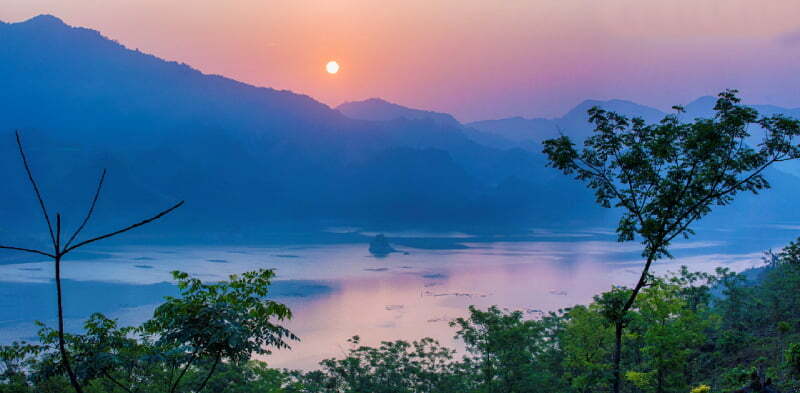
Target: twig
91,210
35,188
128,228
28,250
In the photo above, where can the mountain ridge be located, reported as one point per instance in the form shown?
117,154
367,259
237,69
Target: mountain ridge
244,157
248,159
378,109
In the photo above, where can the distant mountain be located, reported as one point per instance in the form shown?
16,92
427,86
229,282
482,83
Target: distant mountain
253,161
376,109
574,123
246,159
704,107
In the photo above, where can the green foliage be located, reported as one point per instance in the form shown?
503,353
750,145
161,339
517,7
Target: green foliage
587,342
202,338
105,355
246,377
791,253
643,381
670,333
669,174
612,305
227,320
15,359
793,359
392,367
666,176
505,349
701,389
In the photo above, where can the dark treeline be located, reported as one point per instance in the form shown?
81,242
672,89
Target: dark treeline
687,332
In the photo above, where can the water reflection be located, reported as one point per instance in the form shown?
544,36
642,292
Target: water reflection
337,291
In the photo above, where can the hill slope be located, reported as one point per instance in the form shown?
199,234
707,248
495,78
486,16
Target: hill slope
245,158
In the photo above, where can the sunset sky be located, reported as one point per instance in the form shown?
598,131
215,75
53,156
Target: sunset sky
476,59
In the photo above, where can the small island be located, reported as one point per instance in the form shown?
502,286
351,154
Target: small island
380,247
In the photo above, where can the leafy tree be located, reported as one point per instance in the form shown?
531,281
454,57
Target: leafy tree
107,357
793,359
670,332
666,176
694,287
392,367
587,342
506,350
229,320
791,253
15,359
245,377
202,338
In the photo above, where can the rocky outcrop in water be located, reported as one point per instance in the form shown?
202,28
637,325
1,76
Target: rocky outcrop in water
379,246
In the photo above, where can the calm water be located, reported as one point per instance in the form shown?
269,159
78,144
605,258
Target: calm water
337,291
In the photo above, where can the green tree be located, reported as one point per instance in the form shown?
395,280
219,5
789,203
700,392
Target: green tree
15,360
229,320
204,337
587,342
242,377
506,350
666,176
107,357
791,253
391,367
671,333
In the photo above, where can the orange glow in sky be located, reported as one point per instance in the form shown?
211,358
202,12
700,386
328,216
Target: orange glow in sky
476,59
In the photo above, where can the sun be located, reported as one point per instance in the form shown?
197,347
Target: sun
332,67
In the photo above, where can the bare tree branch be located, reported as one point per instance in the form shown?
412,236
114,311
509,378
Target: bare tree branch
58,233
28,250
128,228
60,250
35,188
91,210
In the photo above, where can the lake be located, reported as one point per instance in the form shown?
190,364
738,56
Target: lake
340,290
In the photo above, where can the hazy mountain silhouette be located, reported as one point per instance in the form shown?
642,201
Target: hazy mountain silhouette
251,160
776,205
704,107
244,157
574,123
376,109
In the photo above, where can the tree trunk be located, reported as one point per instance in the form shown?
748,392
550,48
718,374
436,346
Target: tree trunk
208,376
62,347
619,325
617,354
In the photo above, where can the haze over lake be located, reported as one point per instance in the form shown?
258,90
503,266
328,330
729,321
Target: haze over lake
340,290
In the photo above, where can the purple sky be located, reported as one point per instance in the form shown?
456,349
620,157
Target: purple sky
476,59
